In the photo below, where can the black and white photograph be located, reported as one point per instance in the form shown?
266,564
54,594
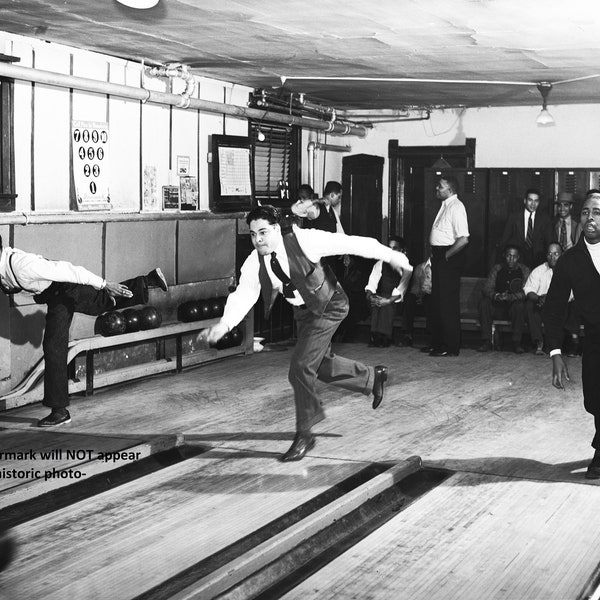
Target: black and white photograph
299,300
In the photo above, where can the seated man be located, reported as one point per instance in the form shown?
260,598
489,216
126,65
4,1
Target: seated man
66,289
503,298
417,301
385,291
536,287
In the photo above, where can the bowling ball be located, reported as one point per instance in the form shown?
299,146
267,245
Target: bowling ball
8,547
111,323
206,309
217,305
236,336
150,317
132,320
189,311
224,342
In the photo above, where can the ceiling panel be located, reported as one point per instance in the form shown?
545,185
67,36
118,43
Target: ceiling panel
257,42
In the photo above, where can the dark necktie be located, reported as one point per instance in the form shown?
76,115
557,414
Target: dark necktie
288,286
529,237
563,234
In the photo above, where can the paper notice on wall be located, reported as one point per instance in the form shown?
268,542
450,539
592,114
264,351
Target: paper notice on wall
234,171
90,165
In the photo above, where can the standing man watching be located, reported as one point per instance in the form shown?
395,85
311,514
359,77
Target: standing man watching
449,238
294,269
566,229
579,270
529,229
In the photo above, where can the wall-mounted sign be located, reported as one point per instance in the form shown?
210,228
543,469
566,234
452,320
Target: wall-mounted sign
90,140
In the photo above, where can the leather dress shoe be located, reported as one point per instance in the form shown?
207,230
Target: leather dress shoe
303,442
381,375
438,353
593,470
58,416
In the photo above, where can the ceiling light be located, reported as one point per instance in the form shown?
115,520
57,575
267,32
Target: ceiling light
544,118
139,3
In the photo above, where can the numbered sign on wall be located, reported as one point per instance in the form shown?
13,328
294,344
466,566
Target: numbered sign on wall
90,165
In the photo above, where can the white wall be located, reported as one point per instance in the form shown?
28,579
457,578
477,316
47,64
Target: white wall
505,137
143,136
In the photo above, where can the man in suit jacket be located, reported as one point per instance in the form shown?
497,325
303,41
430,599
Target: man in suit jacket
528,229
565,229
577,272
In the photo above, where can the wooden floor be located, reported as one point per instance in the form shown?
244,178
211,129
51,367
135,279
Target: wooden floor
515,520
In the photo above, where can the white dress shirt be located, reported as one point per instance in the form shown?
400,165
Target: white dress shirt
315,244
34,273
450,223
375,277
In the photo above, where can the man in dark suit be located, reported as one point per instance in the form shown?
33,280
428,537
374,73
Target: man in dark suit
578,272
530,230
565,228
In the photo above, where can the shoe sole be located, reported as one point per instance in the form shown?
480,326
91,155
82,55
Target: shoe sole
310,446
164,286
55,424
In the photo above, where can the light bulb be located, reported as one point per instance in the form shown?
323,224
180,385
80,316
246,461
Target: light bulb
544,118
260,136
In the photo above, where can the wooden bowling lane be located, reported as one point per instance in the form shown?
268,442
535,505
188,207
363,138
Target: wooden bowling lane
473,537
127,540
39,461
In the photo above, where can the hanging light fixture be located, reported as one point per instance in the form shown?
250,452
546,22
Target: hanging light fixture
544,118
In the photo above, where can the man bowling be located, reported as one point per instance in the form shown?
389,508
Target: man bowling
289,262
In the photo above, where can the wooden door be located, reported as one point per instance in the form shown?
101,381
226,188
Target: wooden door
362,186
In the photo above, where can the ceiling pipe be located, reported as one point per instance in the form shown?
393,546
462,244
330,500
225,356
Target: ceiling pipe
312,157
172,70
145,95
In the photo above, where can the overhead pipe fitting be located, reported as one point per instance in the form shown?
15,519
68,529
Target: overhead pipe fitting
311,148
145,95
171,70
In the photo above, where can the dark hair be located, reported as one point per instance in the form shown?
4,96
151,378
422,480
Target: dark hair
451,181
267,212
532,191
589,193
397,238
332,187
306,188
512,247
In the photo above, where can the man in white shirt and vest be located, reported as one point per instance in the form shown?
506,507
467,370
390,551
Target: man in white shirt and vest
289,262
66,288
449,238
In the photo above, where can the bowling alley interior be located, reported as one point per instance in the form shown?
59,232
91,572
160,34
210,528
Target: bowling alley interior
137,135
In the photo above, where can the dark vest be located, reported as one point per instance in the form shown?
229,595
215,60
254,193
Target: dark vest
315,282
389,280
326,220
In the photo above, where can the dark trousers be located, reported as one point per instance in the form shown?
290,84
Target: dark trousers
63,300
382,319
413,308
313,360
590,377
445,299
509,311
534,318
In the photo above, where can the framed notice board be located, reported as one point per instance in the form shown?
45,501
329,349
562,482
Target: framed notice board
232,174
